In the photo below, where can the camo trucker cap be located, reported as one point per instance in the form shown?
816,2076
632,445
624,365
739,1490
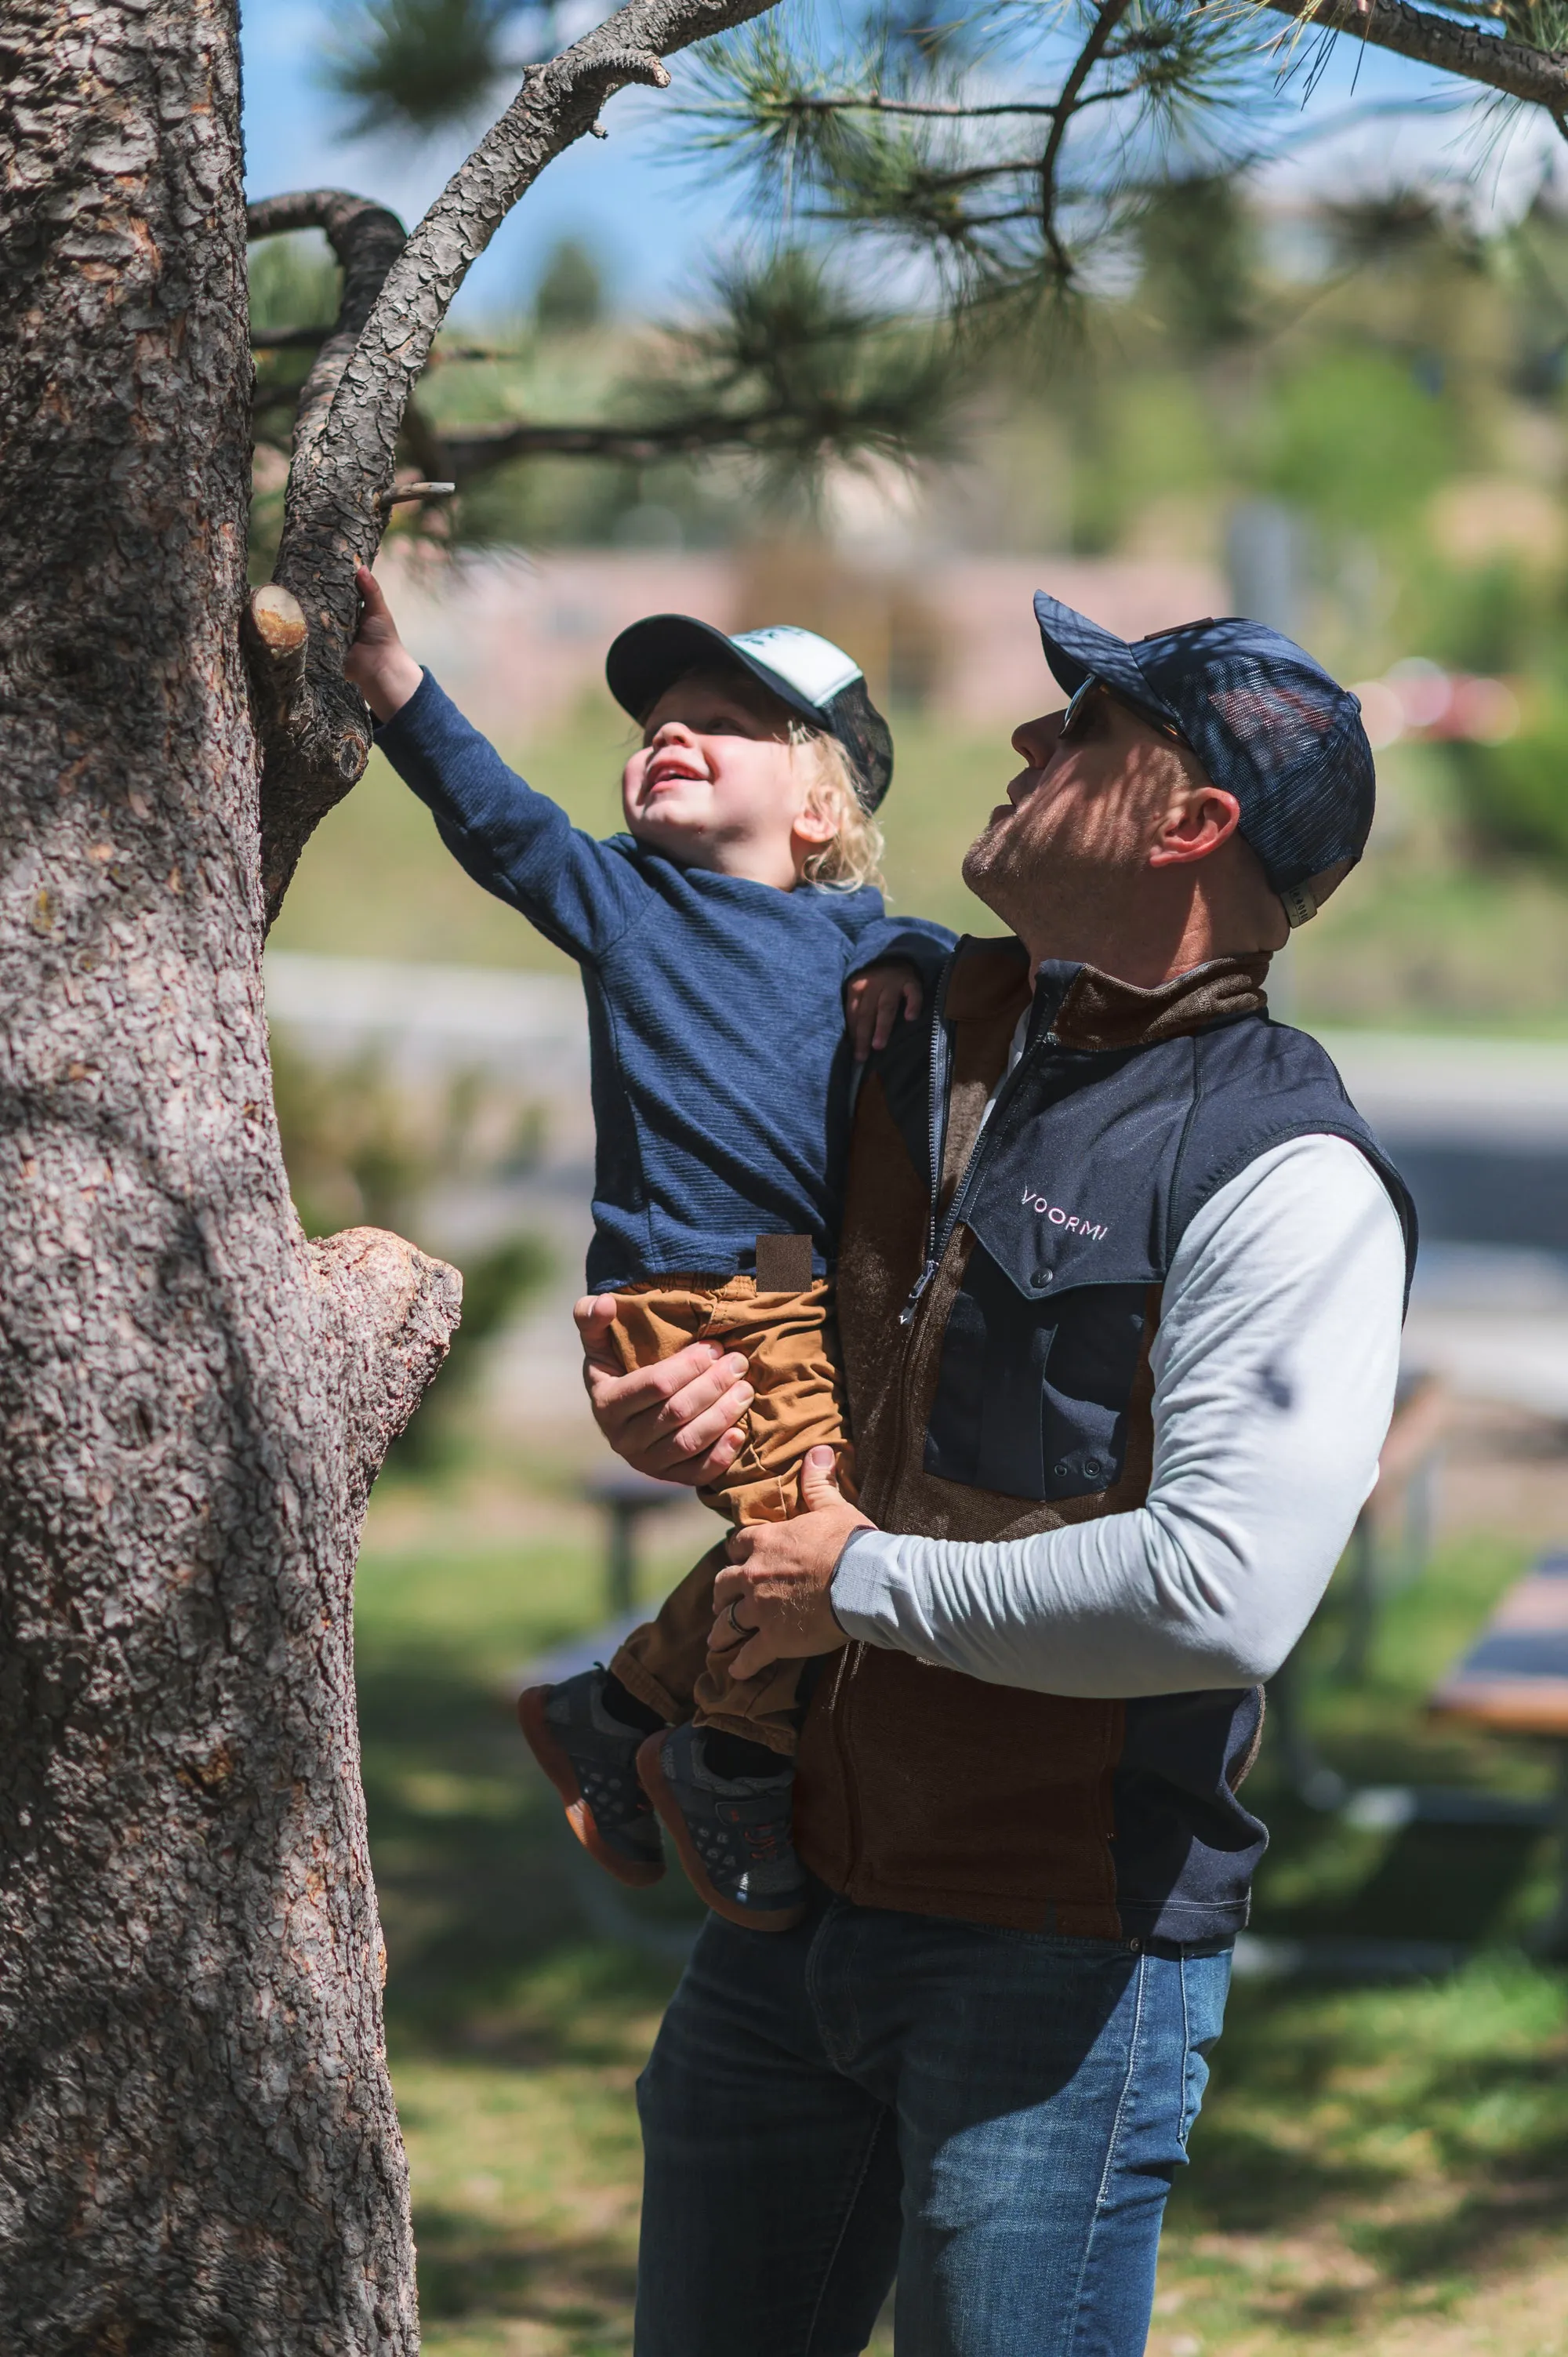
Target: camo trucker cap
809,674
1268,724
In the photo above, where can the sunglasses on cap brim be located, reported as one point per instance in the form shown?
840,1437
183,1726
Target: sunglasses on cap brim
1154,720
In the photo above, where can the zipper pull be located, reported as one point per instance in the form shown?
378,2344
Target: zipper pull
907,1312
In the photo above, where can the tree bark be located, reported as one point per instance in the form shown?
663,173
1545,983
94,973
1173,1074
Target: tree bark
198,2151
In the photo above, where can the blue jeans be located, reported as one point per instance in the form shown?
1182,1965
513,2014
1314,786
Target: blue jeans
994,2118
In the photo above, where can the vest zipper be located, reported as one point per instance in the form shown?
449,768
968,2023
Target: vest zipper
935,1127
939,1238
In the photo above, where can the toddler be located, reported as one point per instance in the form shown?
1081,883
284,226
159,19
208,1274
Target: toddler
717,939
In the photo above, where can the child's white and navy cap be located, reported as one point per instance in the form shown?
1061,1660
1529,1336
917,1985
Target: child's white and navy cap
809,674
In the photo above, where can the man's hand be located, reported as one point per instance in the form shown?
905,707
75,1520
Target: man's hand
872,1000
780,1577
680,1421
378,663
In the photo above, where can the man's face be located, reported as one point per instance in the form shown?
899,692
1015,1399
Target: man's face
1081,815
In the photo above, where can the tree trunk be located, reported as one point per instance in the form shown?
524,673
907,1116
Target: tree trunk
198,2145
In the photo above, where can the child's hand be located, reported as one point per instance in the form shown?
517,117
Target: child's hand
378,663
872,1000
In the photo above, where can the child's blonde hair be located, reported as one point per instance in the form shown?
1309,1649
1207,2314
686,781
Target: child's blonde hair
853,858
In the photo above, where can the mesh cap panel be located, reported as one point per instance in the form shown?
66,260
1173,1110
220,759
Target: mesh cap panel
1293,751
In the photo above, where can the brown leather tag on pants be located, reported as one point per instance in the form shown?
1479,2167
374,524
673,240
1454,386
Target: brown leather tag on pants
783,1263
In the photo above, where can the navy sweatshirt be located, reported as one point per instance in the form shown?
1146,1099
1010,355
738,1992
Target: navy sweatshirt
715,1011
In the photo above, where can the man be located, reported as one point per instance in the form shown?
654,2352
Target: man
1120,1292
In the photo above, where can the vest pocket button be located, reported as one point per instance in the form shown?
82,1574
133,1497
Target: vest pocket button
1043,1275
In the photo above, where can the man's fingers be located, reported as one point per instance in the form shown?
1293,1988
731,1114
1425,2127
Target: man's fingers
595,1315
886,1008
913,999
819,1479
754,1655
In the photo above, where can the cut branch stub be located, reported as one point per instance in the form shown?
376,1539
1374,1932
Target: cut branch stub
275,642
314,728
388,1313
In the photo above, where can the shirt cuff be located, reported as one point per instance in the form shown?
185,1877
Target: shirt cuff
864,1589
385,733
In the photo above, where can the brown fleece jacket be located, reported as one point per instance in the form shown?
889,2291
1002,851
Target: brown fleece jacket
917,1788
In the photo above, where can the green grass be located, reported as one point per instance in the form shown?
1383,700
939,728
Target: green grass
1375,2167
1423,935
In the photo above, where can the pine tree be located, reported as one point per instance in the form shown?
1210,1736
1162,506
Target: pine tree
198,2151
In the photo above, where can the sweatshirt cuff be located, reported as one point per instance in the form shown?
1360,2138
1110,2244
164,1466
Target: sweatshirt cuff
405,720
864,1589
912,945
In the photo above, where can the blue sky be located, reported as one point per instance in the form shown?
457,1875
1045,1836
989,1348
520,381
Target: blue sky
649,222
655,222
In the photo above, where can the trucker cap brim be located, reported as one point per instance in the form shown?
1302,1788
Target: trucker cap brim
653,654
1078,649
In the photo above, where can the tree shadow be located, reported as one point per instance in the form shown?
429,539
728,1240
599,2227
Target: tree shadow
478,1877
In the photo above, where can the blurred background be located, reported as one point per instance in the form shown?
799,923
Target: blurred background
1314,369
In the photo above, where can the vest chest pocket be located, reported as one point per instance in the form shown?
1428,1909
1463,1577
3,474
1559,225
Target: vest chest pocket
1032,1396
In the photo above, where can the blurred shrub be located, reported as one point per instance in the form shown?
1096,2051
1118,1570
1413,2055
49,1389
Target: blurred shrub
570,296
1515,795
1355,438
360,1146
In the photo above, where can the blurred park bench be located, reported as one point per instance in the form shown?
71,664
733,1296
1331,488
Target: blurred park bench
1514,1681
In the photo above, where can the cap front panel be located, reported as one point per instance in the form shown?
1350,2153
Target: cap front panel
814,667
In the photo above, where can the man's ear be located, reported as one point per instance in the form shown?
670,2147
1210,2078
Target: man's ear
1198,822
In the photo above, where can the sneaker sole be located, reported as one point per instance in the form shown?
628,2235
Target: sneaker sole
650,1775
557,1765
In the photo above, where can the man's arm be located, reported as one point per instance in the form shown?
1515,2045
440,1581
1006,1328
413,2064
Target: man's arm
1274,1370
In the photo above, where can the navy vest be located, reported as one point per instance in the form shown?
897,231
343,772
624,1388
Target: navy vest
1081,1185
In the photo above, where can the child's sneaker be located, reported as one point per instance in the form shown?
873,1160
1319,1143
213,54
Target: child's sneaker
590,1756
733,1833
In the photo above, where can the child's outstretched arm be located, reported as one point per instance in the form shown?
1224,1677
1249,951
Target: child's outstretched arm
518,844
378,663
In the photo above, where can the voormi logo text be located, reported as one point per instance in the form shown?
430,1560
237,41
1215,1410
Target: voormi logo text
1061,1219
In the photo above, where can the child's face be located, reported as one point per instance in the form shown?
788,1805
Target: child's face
716,783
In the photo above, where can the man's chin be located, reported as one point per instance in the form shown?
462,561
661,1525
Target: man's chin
980,862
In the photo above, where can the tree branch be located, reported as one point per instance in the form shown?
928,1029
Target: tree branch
1111,14
874,104
345,450
388,1314
476,451
1540,77
366,240
314,727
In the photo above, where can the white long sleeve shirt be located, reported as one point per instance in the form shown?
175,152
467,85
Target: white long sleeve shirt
1274,1366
